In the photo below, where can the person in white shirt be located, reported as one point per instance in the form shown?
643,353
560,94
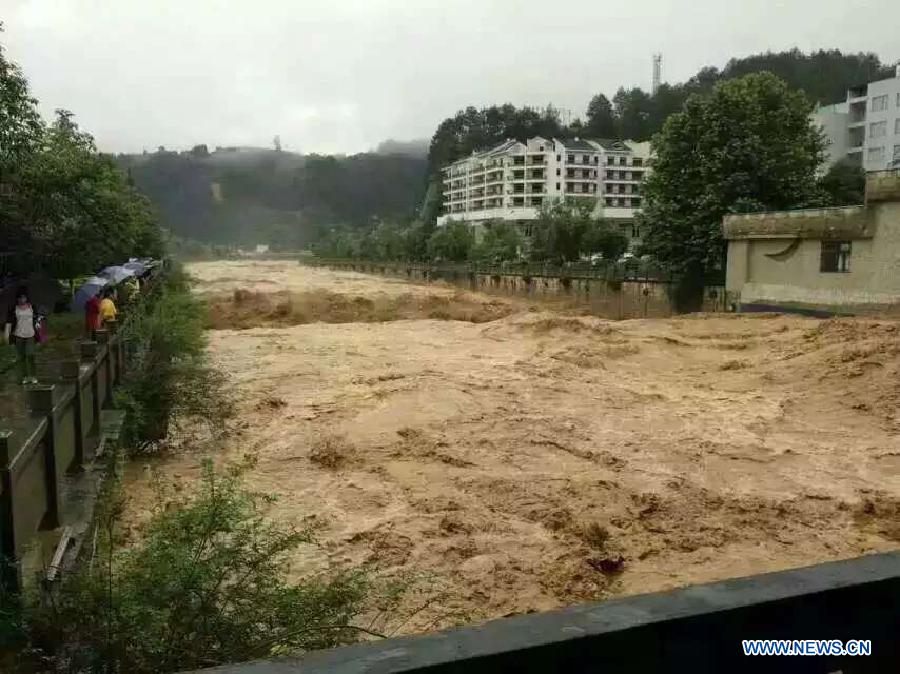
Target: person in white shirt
21,331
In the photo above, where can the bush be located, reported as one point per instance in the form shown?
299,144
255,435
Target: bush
170,379
204,585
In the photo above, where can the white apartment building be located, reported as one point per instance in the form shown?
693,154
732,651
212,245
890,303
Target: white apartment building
515,179
864,129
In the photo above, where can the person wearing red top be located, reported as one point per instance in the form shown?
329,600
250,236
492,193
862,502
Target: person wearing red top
92,316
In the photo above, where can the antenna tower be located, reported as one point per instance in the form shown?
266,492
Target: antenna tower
657,73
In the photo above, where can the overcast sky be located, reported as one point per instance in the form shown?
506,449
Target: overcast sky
342,75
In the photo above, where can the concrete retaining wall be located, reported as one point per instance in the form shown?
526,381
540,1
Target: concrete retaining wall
608,297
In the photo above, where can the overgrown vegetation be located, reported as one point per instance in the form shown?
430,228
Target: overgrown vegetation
204,583
565,231
844,184
171,384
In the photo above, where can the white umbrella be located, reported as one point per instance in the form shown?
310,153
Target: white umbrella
117,274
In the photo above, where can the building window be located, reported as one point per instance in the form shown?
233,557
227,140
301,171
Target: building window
835,257
610,160
876,153
637,161
557,187
609,175
636,202
609,202
570,158
620,202
541,148
558,158
622,161
877,129
897,124
558,171
897,153
635,232
879,103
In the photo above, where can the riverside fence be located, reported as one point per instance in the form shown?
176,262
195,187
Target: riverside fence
52,437
625,290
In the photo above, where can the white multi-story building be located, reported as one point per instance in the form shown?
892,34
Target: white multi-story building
515,179
864,129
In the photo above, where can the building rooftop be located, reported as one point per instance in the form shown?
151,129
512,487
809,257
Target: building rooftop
848,222
613,144
578,144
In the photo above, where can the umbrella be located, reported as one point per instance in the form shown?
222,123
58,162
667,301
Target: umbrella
43,291
136,267
87,290
116,274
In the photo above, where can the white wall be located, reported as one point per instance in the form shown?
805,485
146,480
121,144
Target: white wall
891,89
832,120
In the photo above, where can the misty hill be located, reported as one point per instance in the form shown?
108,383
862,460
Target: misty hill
408,148
256,195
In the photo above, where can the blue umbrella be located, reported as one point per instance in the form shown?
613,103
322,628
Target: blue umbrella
116,274
87,290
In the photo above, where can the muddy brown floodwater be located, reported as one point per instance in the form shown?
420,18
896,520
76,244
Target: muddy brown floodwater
523,459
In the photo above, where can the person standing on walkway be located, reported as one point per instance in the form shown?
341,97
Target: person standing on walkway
23,325
92,317
107,306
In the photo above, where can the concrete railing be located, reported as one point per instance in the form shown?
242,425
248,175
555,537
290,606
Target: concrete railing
694,629
58,434
48,449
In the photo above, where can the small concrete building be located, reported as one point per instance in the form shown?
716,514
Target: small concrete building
828,260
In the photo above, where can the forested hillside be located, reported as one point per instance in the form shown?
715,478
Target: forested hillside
249,196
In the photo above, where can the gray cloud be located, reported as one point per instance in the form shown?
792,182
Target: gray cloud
340,76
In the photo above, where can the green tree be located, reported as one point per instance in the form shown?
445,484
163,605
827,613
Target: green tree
634,110
561,232
20,124
415,240
388,242
605,239
601,122
501,241
844,184
71,198
451,242
748,146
